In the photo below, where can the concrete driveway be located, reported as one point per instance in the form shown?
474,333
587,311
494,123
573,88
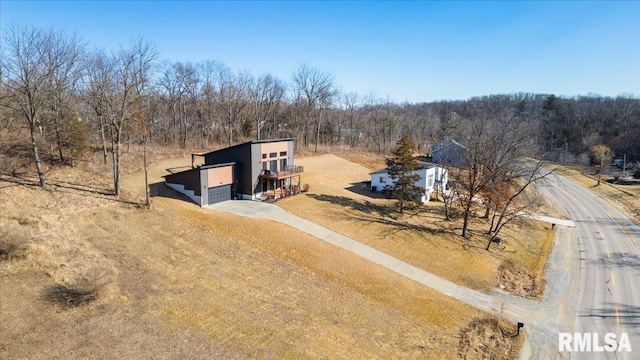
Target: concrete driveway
541,320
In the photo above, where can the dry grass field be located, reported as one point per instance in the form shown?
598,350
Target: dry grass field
338,201
178,281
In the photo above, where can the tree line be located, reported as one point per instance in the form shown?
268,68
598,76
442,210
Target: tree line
70,98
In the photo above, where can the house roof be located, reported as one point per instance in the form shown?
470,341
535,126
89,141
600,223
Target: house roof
423,165
445,143
200,167
203,153
216,165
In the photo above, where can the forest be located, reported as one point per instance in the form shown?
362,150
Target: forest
60,99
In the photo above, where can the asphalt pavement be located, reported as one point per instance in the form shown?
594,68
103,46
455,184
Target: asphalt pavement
608,300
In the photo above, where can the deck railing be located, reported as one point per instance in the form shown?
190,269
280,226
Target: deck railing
289,170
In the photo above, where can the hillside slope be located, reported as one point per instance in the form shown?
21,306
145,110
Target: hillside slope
181,281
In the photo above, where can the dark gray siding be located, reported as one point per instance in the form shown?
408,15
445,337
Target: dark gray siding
256,168
290,154
190,179
241,155
219,193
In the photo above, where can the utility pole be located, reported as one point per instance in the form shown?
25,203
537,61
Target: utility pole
566,153
624,166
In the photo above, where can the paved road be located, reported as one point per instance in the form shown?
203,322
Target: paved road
608,300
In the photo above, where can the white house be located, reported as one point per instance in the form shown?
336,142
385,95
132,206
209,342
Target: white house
433,178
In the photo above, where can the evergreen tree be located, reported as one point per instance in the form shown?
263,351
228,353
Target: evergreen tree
400,168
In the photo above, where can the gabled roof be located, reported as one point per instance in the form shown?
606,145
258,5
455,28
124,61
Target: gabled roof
445,143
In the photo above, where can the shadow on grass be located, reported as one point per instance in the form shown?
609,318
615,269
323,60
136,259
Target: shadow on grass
159,189
367,212
366,207
63,187
361,188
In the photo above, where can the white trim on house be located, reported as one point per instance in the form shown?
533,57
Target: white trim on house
188,193
432,178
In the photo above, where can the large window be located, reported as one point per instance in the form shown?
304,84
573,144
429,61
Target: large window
273,166
383,179
283,164
273,154
430,181
264,165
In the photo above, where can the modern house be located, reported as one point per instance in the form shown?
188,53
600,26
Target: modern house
449,153
258,169
433,178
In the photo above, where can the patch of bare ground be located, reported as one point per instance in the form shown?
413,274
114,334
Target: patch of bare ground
625,198
489,338
180,281
517,280
424,238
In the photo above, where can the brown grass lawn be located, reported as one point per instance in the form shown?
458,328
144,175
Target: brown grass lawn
624,197
336,200
186,282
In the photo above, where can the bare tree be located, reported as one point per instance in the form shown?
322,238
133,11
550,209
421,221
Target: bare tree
314,91
99,88
496,144
602,155
351,129
34,62
510,197
132,74
65,59
232,97
267,94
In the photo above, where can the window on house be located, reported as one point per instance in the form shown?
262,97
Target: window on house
383,179
283,164
264,156
264,165
274,154
273,166
430,181
283,153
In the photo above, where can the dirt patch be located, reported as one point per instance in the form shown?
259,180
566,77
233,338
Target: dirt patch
517,280
83,290
488,338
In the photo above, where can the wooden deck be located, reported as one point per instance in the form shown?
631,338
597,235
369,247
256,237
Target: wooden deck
289,172
281,193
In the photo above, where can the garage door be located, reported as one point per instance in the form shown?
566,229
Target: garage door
219,193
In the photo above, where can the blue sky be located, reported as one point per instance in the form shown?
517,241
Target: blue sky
407,51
